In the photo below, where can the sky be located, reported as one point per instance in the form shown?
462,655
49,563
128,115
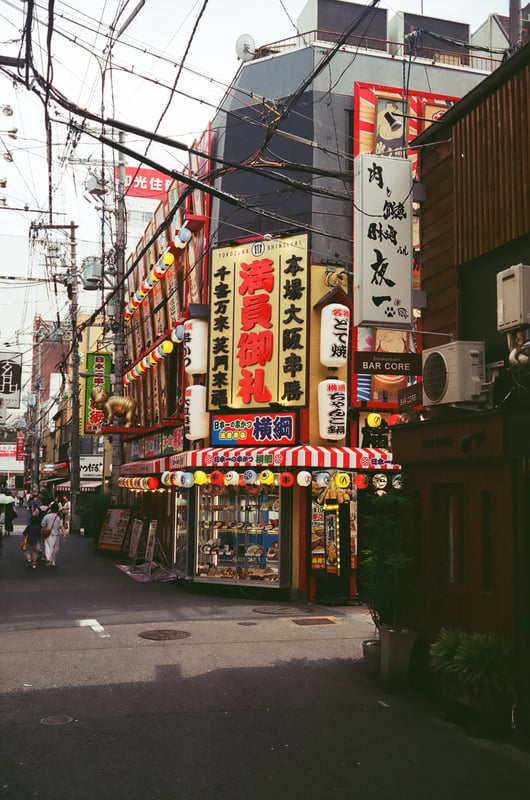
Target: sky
131,81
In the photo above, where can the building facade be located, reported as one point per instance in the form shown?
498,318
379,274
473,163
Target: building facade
256,423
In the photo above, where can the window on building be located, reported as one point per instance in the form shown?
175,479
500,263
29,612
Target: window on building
449,540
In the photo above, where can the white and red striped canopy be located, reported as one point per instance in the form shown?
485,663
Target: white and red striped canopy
300,456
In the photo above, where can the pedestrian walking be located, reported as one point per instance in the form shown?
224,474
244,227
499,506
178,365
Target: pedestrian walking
32,536
52,531
10,515
66,513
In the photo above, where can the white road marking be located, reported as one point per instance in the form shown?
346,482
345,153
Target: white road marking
94,624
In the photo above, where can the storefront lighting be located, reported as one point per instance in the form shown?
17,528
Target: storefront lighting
342,480
200,477
323,479
266,477
304,478
286,479
250,477
232,478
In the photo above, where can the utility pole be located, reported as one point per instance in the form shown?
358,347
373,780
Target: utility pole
74,373
119,341
74,361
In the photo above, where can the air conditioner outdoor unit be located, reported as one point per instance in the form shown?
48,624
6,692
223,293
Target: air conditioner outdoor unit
454,373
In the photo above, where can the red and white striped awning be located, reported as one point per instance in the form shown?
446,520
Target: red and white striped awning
300,456
149,467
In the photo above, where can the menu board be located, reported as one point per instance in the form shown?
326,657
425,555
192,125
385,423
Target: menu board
114,529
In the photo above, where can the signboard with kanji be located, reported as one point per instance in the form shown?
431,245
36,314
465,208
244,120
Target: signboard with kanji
99,366
259,324
383,241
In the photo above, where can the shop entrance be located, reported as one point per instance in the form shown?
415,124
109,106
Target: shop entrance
333,531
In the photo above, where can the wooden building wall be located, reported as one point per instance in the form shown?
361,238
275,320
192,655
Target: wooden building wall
477,186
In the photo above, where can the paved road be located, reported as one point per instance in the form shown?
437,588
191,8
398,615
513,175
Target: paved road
247,703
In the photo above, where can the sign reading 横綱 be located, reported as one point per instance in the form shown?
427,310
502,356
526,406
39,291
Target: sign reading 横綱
10,379
259,325
383,241
253,429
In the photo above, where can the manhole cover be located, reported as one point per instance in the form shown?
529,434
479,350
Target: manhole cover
282,611
164,636
313,621
57,720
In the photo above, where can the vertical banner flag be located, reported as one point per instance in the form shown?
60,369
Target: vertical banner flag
99,366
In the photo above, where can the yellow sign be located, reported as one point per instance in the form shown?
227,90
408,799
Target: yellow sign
258,334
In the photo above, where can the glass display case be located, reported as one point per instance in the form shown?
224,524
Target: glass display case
239,535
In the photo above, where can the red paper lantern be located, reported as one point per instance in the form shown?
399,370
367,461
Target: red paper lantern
361,481
217,477
286,479
152,483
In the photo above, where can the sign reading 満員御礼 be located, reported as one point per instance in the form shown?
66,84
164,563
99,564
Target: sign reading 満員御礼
259,325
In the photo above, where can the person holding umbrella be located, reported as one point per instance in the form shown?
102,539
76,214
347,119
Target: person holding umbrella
8,502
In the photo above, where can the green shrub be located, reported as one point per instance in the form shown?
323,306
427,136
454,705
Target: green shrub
482,663
442,652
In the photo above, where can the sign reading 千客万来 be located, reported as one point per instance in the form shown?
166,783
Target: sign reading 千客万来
259,325
383,242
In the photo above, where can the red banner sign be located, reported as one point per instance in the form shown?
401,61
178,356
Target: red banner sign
20,446
140,182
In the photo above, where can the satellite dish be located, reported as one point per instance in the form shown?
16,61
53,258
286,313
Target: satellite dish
245,47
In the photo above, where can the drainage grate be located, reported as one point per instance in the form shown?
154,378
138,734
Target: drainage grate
164,635
247,624
282,611
313,621
62,719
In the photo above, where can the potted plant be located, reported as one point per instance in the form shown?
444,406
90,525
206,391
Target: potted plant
383,581
477,671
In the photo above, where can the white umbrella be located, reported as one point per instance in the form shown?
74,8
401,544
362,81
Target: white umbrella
5,499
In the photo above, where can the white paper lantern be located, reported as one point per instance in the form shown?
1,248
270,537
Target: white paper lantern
334,335
304,478
332,409
196,346
250,477
323,479
196,418
232,478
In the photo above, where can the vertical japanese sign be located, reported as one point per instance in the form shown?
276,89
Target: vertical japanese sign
20,446
259,324
10,379
99,366
383,241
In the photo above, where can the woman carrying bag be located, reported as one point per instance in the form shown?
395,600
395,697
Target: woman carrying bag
52,530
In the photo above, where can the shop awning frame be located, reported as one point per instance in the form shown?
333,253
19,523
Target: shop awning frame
84,486
299,456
